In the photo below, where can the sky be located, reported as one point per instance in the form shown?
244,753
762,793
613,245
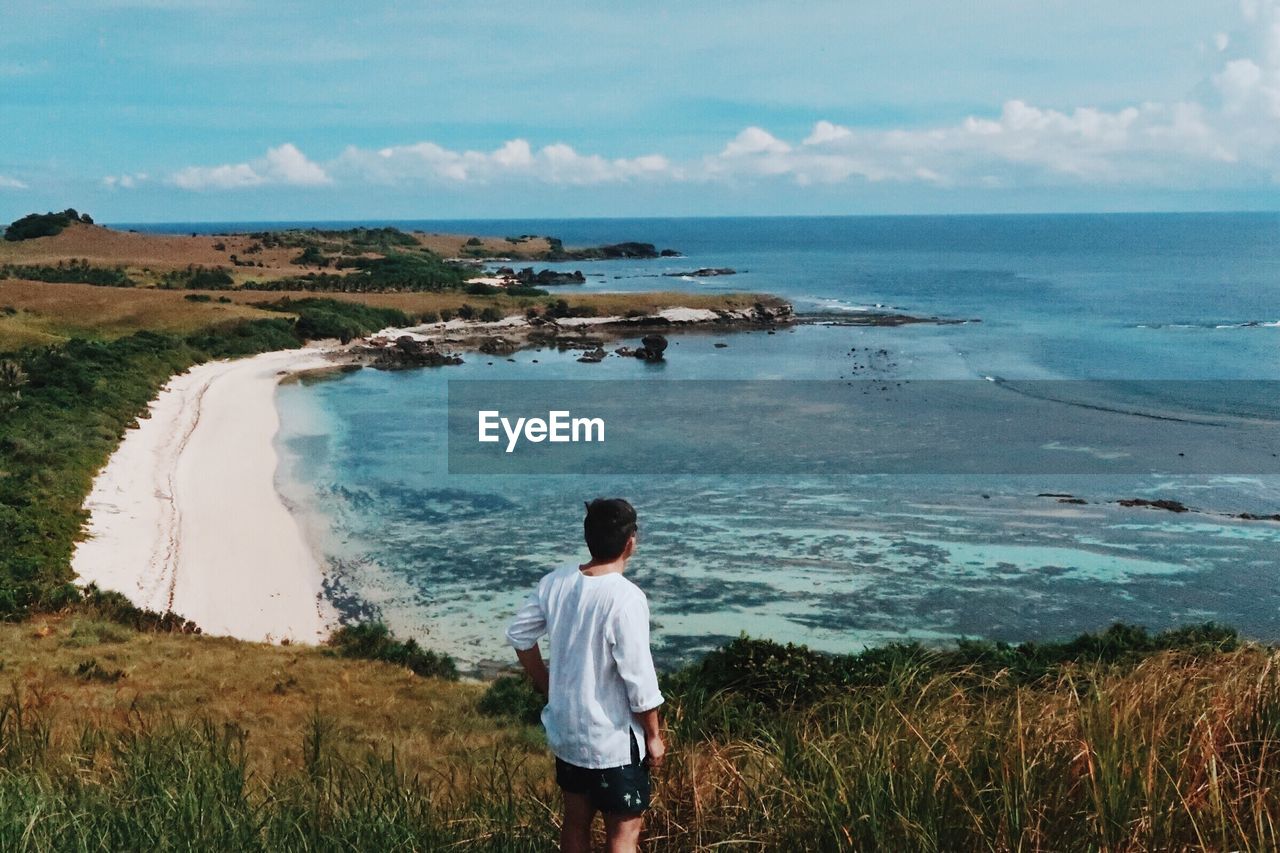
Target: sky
234,110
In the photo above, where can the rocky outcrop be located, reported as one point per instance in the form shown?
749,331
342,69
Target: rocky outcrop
542,278
760,315
498,346
613,251
652,348
1171,506
405,352
704,272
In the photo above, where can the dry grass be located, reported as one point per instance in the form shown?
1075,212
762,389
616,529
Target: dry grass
50,312
47,313
271,692
1178,754
455,245
146,256
147,253
603,303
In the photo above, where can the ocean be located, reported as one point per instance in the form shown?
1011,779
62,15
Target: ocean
837,560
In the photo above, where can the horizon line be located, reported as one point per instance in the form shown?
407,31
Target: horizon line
762,216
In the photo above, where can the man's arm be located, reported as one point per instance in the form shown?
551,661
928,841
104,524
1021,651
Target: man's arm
654,746
529,624
635,666
535,668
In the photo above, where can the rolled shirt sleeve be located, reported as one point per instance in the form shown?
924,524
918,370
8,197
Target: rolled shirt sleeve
632,656
529,624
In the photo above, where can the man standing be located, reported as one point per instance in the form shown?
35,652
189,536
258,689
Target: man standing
601,689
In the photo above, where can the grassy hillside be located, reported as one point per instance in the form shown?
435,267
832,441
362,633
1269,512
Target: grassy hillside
125,740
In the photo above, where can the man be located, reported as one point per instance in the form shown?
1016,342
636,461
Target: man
602,688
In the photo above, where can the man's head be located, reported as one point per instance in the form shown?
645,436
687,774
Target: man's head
609,528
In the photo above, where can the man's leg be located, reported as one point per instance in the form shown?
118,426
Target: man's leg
575,831
623,832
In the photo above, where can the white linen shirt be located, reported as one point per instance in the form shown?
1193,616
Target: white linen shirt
602,672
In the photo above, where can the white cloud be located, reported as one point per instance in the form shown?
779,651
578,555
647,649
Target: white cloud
283,165
1229,135
287,165
515,159
126,181
7,183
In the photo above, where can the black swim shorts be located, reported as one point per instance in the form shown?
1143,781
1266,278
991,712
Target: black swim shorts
612,790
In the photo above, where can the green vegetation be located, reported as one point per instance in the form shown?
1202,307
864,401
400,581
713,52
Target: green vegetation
69,272
363,239
312,257
35,225
64,408
761,675
373,641
197,278
330,318
396,272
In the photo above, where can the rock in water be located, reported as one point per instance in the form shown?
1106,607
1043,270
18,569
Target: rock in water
653,348
1171,506
498,346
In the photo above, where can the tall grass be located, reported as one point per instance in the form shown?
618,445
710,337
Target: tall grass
1177,753
1179,750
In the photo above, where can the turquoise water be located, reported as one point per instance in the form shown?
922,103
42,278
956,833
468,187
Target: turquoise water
836,561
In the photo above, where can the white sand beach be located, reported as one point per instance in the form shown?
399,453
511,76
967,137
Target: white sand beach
186,516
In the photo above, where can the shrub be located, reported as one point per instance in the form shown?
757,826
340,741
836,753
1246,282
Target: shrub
561,308
333,318
475,241
35,225
777,675
512,697
69,272
490,314
311,257
114,607
525,290
198,278
397,271
198,297
374,641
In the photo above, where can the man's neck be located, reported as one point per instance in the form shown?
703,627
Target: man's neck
604,567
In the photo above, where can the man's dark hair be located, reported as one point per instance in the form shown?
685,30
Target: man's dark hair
610,522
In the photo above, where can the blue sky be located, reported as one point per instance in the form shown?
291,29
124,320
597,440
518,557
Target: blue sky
161,110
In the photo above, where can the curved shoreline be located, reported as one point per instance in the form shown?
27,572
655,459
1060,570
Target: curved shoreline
186,516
